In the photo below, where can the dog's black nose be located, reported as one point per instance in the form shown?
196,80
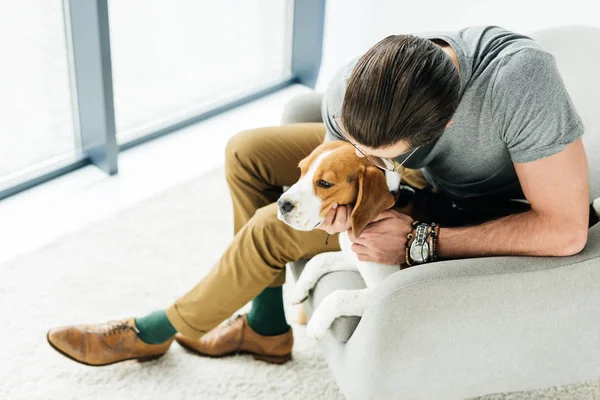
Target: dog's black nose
284,206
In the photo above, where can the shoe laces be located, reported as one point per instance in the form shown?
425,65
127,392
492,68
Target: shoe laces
117,327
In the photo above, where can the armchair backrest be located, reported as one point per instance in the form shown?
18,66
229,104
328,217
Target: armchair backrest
577,53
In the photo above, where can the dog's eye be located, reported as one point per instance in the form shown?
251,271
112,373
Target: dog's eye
324,184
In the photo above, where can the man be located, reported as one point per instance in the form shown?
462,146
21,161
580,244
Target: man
484,114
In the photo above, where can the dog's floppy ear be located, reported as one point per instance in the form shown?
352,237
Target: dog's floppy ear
373,197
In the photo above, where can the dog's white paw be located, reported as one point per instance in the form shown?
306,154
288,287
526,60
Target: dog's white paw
314,330
301,291
320,321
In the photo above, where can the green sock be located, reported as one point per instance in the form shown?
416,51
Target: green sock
155,327
267,317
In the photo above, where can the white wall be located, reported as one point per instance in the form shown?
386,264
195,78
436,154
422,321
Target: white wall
353,26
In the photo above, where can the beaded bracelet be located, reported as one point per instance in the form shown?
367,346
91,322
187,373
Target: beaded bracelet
433,240
409,236
430,239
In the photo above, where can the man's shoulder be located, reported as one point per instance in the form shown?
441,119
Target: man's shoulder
522,68
339,79
334,93
495,46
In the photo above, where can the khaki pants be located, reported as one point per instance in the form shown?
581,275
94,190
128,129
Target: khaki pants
257,164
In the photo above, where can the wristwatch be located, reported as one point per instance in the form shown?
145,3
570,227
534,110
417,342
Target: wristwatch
419,249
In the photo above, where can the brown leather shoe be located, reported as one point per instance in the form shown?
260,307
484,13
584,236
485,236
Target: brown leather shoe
236,336
104,344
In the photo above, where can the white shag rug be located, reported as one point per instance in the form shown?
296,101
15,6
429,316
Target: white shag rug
137,261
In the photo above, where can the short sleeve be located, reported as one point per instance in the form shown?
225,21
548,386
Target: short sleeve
333,97
532,107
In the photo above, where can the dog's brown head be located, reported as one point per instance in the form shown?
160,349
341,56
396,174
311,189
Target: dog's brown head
333,173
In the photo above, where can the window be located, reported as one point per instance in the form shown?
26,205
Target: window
171,60
35,101
74,70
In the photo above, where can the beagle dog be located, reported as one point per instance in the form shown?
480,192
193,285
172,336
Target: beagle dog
334,173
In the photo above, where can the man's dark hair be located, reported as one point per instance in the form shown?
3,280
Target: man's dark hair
403,88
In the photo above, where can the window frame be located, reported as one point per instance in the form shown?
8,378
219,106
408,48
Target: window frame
90,75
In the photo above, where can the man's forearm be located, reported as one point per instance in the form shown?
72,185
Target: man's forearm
528,233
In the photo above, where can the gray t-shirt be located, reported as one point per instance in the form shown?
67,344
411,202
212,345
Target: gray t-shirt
513,108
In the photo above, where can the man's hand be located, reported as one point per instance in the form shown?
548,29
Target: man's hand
384,239
337,219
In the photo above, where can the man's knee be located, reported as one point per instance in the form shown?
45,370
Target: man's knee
413,177
273,239
282,243
239,149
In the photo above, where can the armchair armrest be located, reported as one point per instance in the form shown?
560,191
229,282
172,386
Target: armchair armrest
498,324
305,107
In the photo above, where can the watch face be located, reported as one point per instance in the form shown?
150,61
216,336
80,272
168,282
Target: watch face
420,253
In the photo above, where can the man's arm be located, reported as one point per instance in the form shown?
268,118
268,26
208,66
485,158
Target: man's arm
558,190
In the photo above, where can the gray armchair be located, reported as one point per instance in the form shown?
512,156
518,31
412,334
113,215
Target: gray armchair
465,328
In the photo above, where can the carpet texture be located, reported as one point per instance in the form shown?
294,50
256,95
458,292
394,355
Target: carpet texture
137,261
